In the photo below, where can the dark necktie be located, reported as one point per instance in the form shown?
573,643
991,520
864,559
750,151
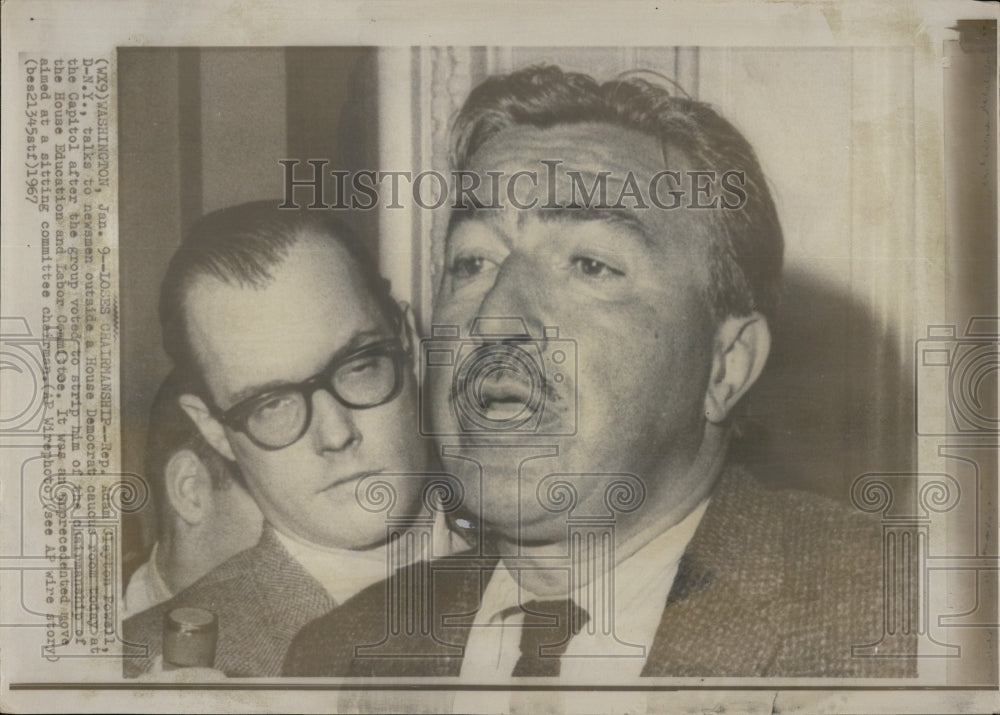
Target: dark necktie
545,634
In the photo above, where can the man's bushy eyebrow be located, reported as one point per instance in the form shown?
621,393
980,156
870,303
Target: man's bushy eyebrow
586,214
622,217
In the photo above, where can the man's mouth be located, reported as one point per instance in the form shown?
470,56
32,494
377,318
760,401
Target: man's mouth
350,479
505,398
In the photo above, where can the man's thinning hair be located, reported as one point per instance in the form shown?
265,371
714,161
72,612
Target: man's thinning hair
239,246
746,248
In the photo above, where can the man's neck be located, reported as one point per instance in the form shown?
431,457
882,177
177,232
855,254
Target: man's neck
184,558
301,543
631,531
173,568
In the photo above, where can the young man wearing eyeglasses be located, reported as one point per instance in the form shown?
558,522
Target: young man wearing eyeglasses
299,369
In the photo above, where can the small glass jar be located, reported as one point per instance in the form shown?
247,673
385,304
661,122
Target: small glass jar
189,638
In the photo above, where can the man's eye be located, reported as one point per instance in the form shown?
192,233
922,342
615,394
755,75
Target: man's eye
276,403
593,268
467,266
364,365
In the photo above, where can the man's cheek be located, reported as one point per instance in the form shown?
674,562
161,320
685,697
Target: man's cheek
451,305
466,302
264,469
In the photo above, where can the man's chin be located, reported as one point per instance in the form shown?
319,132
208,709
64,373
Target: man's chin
527,530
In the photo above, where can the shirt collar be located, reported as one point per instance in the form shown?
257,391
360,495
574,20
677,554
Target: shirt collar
639,578
342,572
158,585
147,586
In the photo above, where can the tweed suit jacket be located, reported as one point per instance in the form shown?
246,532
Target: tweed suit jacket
773,583
261,596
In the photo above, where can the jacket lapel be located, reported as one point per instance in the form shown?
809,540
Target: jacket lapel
454,590
674,636
291,596
706,613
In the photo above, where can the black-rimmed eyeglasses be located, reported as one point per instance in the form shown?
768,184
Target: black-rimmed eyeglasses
368,377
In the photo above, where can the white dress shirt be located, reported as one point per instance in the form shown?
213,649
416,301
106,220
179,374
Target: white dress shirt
342,572
610,648
146,588
345,572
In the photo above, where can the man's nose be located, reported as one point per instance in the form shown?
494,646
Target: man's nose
517,293
333,428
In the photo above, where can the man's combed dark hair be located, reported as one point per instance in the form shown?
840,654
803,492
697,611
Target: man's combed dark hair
239,246
747,245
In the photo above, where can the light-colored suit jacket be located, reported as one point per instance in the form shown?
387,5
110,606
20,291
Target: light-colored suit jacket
262,596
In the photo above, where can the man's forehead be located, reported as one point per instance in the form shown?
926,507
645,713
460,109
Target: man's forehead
586,146
588,172
286,327
312,269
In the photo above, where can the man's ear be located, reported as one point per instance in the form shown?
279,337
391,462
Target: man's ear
741,348
189,487
211,429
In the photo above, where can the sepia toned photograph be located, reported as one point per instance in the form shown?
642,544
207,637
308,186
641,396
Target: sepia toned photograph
376,372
